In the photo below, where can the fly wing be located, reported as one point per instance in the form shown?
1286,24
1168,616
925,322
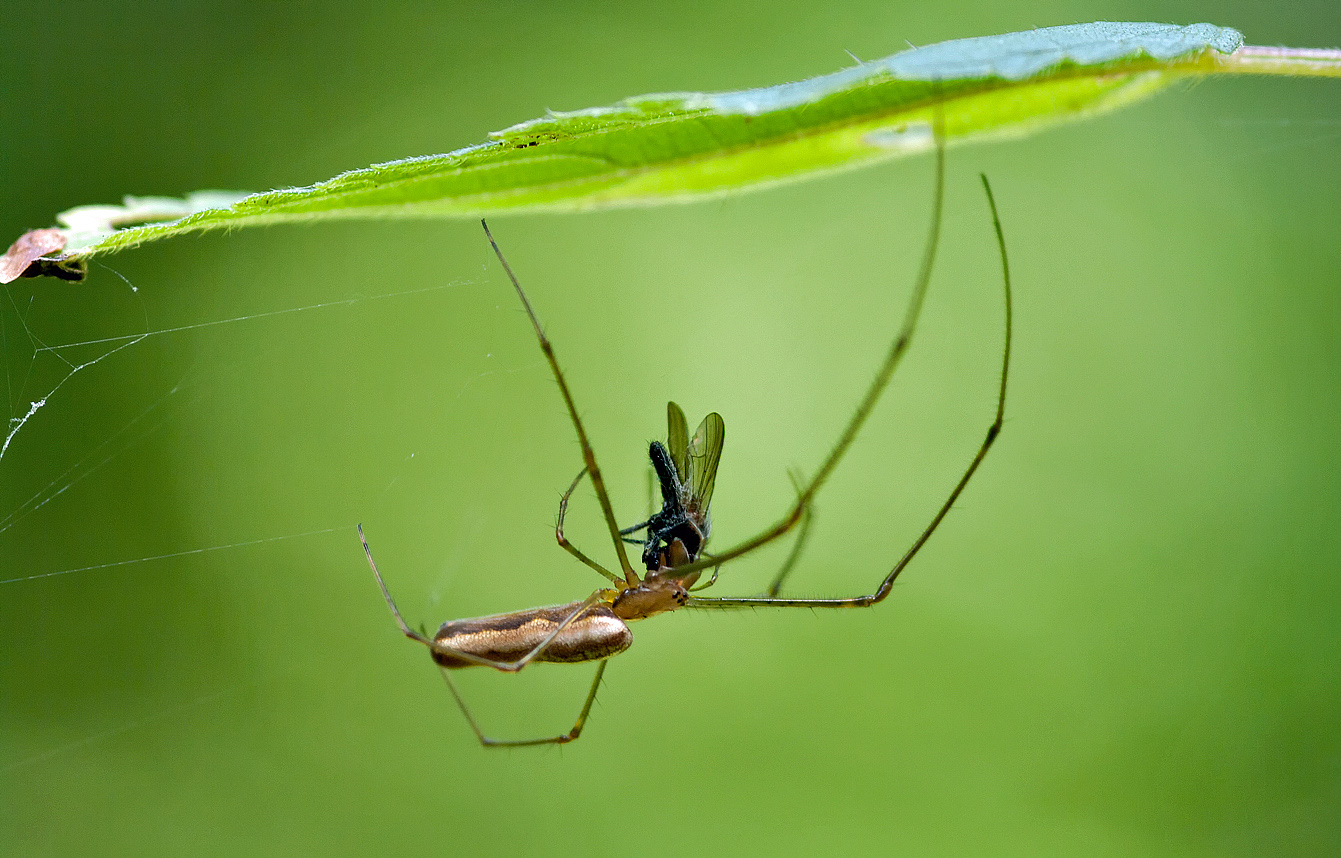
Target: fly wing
702,456
677,439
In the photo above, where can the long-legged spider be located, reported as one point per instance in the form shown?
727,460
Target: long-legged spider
595,628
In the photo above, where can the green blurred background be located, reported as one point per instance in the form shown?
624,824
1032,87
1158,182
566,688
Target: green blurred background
1123,641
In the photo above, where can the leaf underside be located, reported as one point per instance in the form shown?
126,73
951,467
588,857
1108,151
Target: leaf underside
653,149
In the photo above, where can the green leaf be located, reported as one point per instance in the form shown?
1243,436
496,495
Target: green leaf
654,149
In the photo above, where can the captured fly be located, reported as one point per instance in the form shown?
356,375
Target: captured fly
686,468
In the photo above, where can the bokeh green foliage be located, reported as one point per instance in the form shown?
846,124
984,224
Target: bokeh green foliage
1123,641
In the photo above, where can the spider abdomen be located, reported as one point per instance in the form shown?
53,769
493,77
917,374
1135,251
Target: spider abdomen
597,633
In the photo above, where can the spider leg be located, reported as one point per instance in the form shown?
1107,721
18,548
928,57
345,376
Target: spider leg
992,432
807,519
588,454
561,739
706,584
563,540
893,358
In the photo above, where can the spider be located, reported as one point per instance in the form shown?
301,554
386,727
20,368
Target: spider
596,628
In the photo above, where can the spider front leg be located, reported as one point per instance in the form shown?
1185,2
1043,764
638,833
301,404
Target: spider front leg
993,431
884,372
588,453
